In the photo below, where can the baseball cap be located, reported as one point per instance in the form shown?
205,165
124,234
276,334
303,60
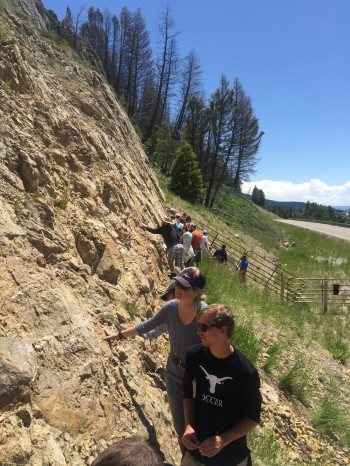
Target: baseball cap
191,277
170,289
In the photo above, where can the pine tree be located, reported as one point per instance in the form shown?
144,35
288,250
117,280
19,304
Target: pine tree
185,175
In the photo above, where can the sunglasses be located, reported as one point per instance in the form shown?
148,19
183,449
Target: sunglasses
205,327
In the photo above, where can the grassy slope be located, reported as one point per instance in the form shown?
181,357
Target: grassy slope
300,350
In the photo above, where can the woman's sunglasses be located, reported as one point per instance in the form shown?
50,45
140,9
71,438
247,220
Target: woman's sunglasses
205,327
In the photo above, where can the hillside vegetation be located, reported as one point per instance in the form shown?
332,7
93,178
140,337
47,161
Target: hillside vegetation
302,353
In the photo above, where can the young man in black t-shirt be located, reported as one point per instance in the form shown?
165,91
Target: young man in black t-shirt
226,404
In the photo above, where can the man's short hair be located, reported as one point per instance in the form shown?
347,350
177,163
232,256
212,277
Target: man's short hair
221,315
131,451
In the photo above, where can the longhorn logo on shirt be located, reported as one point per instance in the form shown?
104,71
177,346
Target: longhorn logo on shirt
213,380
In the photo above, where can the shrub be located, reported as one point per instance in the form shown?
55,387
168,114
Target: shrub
132,309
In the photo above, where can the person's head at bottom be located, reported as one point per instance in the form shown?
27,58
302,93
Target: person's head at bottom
131,451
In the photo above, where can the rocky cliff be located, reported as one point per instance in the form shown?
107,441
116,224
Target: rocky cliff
74,186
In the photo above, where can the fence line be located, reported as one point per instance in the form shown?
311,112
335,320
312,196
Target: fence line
265,271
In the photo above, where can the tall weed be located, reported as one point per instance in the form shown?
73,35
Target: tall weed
295,381
330,419
273,356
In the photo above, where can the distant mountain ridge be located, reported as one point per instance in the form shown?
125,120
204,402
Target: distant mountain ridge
295,205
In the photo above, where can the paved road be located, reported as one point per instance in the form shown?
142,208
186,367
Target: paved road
331,230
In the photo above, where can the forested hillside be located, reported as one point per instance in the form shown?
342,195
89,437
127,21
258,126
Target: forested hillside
163,96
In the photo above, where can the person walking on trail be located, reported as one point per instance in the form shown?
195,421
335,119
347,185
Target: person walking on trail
179,315
171,240
221,254
243,267
226,404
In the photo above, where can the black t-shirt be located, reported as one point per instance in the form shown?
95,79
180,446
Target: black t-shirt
227,390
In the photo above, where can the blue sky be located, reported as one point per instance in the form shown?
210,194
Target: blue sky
293,58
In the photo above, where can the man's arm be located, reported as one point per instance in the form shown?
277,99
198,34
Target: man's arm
212,445
156,231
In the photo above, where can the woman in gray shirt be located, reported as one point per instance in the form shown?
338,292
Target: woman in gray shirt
179,315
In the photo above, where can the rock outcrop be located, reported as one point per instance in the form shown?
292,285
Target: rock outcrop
75,184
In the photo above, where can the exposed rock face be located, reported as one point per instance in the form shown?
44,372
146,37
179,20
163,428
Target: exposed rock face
75,185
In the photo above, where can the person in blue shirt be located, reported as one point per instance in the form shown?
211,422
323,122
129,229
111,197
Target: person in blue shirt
243,267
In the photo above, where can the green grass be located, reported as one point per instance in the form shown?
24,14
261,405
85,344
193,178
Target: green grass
244,339
273,352
313,254
17,206
7,84
266,450
64,200
4,33
337,347
331,420
54,38
295,381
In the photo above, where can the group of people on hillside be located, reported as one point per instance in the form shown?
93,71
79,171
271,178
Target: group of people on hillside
212,421
183,242
185,245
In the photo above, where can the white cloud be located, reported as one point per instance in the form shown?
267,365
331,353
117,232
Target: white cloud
313,191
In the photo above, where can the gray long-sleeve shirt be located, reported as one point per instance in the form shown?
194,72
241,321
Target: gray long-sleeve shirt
181,336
